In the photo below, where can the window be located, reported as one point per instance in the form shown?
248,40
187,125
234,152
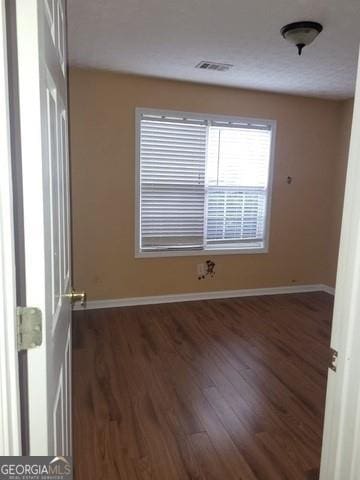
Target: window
203,183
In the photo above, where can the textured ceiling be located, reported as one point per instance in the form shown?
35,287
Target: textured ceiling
167,38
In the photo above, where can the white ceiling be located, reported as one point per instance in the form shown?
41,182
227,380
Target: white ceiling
167,38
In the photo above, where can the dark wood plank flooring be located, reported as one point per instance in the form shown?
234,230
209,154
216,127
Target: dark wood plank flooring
214,390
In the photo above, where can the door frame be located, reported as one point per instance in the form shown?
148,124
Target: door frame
10,424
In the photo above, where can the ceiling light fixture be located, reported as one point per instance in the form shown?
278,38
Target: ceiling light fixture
301,33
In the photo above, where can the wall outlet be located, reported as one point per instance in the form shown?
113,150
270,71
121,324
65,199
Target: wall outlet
200,270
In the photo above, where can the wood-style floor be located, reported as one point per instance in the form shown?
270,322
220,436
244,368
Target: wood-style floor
212,390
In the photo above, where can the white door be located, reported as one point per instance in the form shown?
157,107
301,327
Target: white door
44,128
341,442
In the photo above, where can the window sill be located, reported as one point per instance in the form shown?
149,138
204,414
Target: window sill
198,253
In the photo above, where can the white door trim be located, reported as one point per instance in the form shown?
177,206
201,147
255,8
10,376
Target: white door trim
10,432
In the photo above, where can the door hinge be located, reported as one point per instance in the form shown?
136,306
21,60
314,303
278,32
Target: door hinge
29,328
333,359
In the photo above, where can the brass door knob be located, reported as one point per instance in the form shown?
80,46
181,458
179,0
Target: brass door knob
77,297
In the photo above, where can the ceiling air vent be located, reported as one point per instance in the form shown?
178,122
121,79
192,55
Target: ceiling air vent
218,67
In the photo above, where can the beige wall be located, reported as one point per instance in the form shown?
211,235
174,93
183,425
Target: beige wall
310,147
339,187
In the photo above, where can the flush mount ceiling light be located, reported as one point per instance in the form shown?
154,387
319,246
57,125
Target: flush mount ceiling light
301,33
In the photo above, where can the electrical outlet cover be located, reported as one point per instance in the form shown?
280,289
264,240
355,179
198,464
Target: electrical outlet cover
200,268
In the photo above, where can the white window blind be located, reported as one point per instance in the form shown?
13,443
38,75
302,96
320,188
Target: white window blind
172,182
203,183
238,165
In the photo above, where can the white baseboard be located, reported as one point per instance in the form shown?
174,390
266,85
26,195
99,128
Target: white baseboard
329,290
189,297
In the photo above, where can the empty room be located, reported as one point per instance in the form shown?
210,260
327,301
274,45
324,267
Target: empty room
180,240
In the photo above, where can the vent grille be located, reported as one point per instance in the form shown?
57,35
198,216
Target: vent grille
217,67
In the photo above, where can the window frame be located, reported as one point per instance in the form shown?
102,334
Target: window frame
139,111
